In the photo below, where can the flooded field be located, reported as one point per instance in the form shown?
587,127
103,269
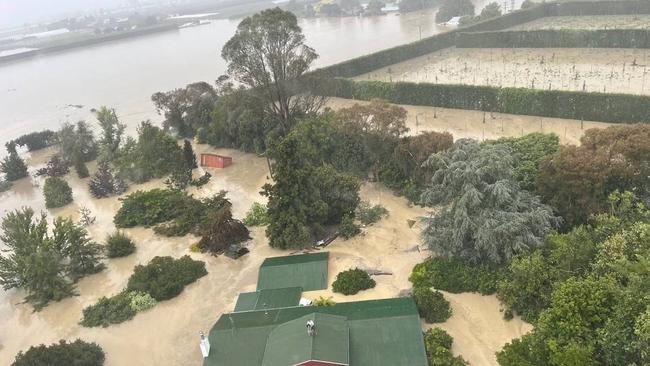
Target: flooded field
484,126
641,21
167,334
585,69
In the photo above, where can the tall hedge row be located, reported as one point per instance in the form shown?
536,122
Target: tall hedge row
557,38
615,108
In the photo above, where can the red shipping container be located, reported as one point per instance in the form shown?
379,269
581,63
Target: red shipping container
215,161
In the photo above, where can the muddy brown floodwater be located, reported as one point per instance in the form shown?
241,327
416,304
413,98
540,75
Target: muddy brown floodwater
168,333
469,124
611,70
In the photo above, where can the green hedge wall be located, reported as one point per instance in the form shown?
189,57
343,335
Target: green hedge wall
610,38
615,108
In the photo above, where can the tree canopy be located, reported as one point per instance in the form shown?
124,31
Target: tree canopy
453,8
485,215
268,54
186,110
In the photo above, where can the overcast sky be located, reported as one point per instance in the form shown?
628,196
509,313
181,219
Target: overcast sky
17,12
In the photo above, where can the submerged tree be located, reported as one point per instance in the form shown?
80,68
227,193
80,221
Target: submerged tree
485,215
105,183
32,261
13,166
77,142
112,133
186,110
453,8
220,230
57,192
268,54
55,167
83,255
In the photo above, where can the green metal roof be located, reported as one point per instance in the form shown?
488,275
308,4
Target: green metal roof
382,333
329,342
268,299
308,271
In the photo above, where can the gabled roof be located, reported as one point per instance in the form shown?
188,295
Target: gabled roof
381,333
268,299
290,344
308,271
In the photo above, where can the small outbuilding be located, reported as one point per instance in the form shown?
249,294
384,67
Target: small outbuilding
215,161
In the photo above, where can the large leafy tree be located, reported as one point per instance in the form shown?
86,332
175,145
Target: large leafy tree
293,198
268,54
154,155
31,260
83,254
379,123
77,142
186,110
485,215
578,179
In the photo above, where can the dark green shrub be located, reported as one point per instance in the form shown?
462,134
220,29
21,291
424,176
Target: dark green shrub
119,245
352,281
13,167
106,311
349,228
368,214
149,208
77,353
165,277
438,346
455,276
432,305
57,192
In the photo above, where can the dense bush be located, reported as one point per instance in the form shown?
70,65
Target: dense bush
5,185
577,180
165,277
529,150
57,192
77,142
77,353
148,208
455,276
107,311
55,167
13,167
256,215
119,245
352,281
186,109
37,140
154,155
105,183
116,309
177,212
220,230
438,347
368,214
432,305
